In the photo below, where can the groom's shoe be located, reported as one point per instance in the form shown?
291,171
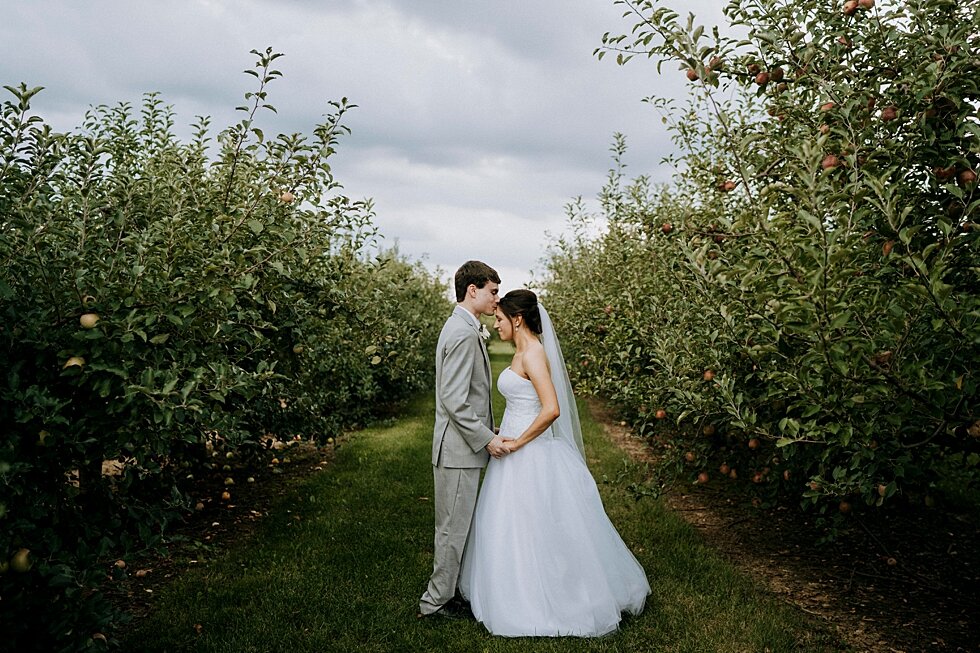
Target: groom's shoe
453,609
463,605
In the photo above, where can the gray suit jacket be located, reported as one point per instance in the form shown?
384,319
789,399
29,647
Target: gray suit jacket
464,419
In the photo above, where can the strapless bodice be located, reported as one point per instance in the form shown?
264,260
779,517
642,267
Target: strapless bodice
523,404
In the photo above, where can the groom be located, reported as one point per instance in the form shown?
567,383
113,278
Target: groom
463,439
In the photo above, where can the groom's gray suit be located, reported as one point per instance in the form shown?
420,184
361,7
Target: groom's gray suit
463,429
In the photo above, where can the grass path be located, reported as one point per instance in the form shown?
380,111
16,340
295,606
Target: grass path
340,564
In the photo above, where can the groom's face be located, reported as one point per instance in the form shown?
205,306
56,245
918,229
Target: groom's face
486,297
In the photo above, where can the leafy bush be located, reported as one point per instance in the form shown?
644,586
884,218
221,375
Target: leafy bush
821,258
161,299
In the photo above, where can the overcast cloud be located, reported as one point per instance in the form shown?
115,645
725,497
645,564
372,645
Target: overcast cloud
476,122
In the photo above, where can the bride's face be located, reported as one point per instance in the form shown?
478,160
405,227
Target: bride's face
503,325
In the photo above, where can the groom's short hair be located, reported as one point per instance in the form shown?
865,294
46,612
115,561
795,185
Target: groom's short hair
477,273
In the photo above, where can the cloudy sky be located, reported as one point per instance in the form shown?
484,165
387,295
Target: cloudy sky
476,121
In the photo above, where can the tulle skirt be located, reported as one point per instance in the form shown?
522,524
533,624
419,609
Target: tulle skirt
542,557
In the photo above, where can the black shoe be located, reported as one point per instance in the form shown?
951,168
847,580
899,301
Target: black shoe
462,606
451,610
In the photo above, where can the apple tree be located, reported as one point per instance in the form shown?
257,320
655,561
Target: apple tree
823,255
164,302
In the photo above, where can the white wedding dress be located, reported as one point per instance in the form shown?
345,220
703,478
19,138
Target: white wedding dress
542,557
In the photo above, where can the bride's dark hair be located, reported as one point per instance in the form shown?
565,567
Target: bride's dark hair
524,303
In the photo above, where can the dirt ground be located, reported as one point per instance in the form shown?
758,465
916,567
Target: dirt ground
927,599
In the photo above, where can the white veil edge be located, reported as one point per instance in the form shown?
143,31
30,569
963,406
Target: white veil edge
567,427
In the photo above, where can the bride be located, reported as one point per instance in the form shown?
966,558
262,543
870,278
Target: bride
543,558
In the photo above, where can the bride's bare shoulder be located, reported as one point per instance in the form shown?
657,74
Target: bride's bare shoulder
534,354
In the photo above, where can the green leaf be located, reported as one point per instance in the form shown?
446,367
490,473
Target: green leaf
841,320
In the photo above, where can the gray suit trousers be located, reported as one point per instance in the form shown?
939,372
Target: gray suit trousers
455,502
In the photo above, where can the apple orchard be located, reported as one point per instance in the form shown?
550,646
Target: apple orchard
801,306
170,310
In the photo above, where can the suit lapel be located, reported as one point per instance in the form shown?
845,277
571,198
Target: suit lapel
462,313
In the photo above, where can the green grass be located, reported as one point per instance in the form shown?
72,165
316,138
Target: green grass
347,575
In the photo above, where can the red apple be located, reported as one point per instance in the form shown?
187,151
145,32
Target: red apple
944,173
850,7
708,375
889,113
666,228
692,74
830,162
703,477
754,443
661,414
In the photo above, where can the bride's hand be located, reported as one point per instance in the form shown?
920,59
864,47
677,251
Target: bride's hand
511,446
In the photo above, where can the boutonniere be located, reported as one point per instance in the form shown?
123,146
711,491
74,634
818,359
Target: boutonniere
484,332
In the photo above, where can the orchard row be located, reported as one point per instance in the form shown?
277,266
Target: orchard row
801,306
170,310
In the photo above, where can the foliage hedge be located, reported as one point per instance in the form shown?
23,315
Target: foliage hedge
164,302
805,295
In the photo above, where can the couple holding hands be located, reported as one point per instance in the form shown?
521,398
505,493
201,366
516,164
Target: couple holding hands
536,554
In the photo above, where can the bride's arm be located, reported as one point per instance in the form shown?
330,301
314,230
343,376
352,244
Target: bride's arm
536,367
